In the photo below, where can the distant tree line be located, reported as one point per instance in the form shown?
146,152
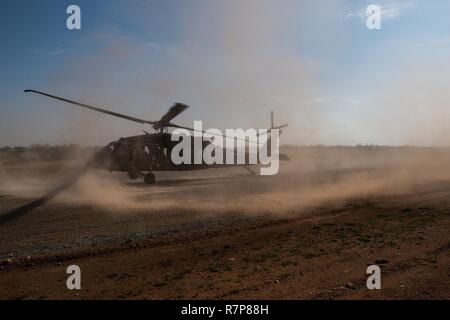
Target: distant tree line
45,151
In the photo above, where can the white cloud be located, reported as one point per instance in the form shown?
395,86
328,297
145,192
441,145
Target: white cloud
153,45
360,14
51,53
57,52
395,9
389,10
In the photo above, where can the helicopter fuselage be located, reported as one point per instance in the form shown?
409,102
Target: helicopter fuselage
145,153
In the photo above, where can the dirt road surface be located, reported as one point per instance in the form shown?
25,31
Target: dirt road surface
308,233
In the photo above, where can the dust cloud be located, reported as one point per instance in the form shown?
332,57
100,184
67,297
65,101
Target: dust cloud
314,177
232,69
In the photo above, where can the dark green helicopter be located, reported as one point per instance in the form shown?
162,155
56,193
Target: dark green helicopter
141,155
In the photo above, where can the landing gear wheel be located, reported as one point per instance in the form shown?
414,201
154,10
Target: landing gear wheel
149,178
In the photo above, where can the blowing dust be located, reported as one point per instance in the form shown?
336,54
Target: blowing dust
314,177
244,70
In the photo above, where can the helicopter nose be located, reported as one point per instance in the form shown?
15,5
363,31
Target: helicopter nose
103,159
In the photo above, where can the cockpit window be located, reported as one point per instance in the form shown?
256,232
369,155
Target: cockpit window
110,147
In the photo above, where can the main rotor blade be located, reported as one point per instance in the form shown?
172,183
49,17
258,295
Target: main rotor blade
174,111
115,114
70,180
277,127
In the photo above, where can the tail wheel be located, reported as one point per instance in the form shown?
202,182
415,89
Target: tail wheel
149,178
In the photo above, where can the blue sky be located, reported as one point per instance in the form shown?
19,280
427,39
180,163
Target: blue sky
314,62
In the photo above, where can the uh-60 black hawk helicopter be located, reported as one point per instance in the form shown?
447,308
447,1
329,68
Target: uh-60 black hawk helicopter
143,154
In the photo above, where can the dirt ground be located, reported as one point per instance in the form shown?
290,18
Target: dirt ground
308,233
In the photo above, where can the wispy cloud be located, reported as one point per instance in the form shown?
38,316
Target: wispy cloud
51,53
152,45
389,10
57,52
353,100
395,9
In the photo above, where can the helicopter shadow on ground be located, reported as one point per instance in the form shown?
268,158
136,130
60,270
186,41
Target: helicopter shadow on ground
185,182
